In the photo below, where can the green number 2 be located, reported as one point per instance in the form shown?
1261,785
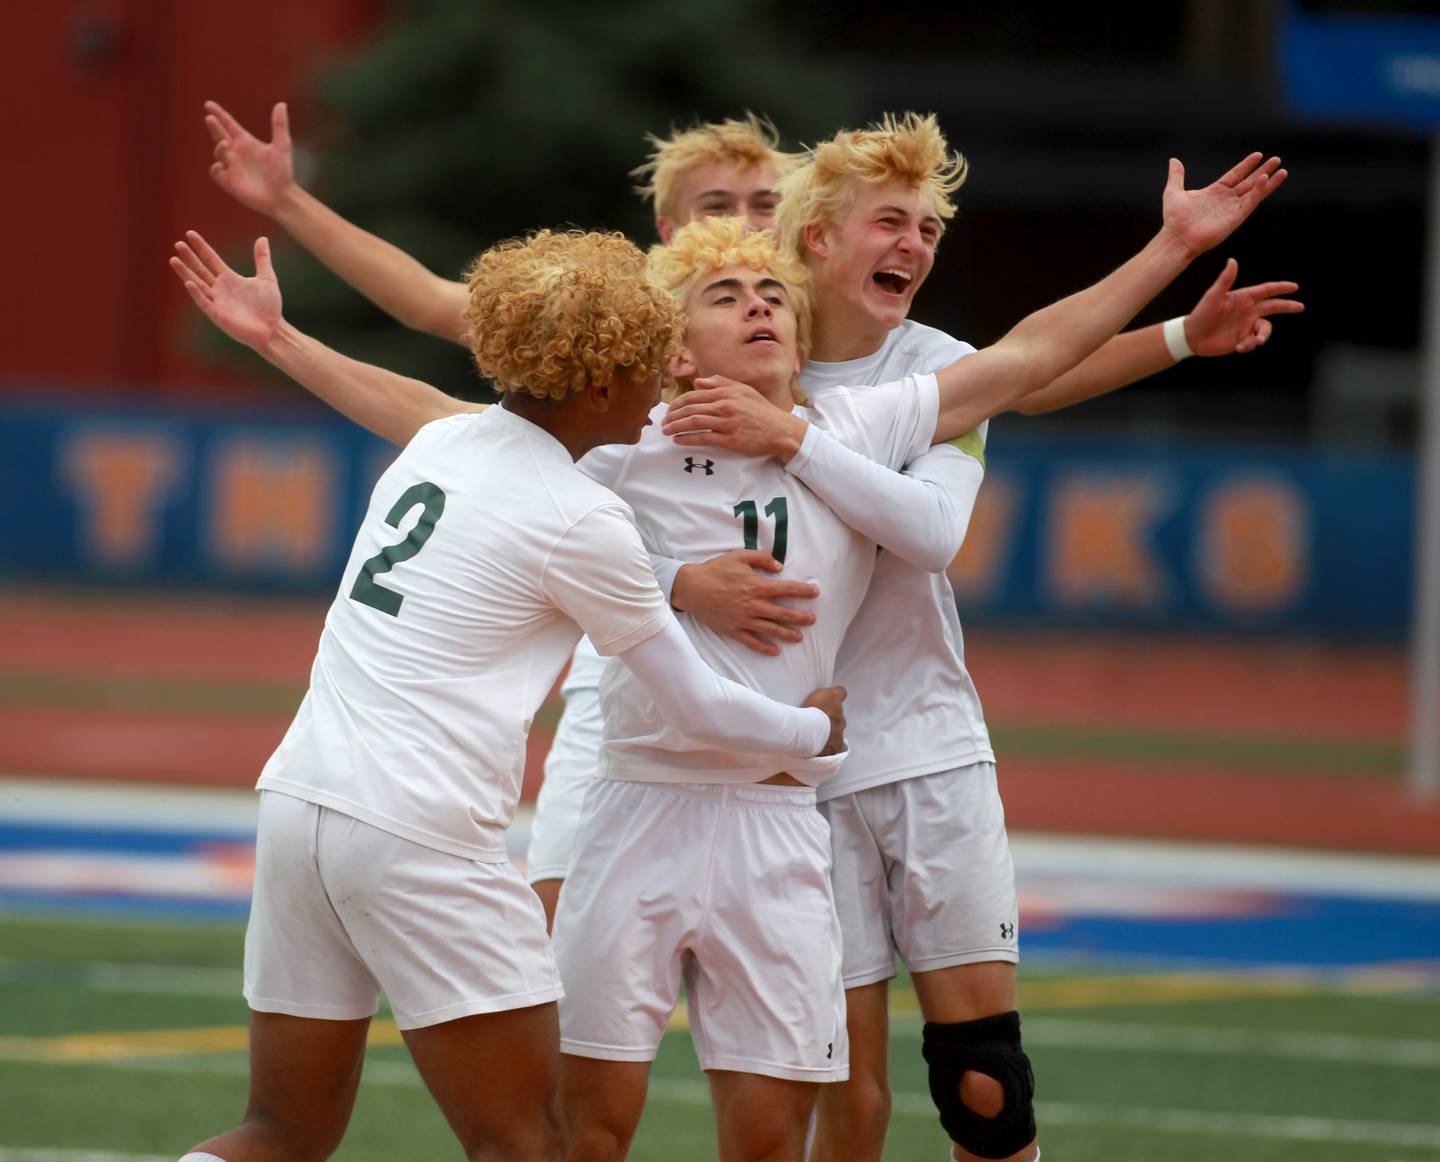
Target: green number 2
778,509
366,589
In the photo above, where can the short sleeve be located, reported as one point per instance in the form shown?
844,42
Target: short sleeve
891,423
600,576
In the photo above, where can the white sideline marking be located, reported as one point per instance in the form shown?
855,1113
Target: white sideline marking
131,978
1185,1039
77,1156
1213,1124
1210,1123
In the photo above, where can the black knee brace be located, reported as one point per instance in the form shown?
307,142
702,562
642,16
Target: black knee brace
990,1046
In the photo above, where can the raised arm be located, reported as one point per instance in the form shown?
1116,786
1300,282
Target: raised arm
249,311
1048,343
261,175
1225,321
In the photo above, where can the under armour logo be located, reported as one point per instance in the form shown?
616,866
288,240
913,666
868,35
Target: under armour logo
829,1050
706,466
1007,931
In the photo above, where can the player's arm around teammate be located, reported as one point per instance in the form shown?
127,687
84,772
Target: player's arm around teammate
305,1067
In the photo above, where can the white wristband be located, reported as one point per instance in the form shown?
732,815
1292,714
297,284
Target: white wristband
1175,341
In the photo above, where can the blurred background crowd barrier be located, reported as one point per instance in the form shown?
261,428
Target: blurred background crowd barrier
1268,496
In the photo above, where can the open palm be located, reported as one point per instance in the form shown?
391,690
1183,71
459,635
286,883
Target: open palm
1227,320
253,172
1205,217
246,309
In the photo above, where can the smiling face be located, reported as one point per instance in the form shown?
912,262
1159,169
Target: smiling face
722,190
741,324
867,267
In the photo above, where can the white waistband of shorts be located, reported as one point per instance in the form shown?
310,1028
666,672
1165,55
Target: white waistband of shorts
774,794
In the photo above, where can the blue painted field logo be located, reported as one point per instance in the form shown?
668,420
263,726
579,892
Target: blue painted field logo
707,466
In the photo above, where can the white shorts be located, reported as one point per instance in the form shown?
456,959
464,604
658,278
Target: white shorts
342,910
922,867
724,887
569,769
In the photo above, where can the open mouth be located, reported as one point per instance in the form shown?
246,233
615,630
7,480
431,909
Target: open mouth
893,281
763,337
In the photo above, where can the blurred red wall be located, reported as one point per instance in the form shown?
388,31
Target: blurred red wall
107,164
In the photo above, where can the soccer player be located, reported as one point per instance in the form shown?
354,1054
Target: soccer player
922,863
728,167
380,860
695,863
864,296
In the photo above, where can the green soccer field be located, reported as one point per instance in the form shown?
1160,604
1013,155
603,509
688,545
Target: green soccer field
126,1041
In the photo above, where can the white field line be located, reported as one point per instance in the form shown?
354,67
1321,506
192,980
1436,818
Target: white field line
129,978
1206,1123
1340,1047
78,1156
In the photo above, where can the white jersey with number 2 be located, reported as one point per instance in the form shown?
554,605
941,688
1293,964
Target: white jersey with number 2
482,557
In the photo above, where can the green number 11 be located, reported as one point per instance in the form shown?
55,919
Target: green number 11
750,517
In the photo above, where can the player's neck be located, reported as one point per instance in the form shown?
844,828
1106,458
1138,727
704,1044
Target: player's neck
838,337
560,418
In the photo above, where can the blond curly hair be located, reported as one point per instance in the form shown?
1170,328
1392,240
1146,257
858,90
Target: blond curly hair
710,244
742,142
911,149
558,311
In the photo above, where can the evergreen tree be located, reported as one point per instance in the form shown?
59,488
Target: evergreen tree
464,123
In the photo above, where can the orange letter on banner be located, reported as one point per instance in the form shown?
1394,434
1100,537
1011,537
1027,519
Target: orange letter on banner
122,479
1254,544
1099,555
272,505
975,572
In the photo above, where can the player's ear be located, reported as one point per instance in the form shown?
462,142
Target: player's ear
683,365
665,228
601,395
816,239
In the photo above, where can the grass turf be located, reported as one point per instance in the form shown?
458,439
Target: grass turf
128,1039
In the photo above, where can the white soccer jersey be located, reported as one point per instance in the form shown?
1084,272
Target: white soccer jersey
482,556
695,503
586,666
912,707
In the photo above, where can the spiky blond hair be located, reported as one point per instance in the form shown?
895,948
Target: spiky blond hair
554,312
742,142
910,149
710,244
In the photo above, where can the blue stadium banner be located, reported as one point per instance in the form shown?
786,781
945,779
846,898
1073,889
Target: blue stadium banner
169,495
1195,534
1066,532
1370,61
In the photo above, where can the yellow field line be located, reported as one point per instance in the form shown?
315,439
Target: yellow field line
1035,995
121,1046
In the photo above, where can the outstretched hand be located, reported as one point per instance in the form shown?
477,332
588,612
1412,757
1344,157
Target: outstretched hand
246,309
1227,321
254,172
1204,218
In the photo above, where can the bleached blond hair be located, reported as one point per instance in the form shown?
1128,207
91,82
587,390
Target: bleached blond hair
741,142
706,245
555,312
911,149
